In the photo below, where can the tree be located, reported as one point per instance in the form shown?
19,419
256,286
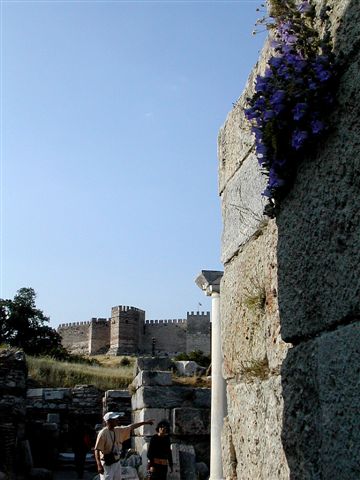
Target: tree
24,326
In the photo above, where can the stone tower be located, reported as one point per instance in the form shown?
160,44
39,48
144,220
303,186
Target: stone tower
125,330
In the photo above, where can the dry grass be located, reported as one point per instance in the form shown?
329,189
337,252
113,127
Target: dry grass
255,369
195,381
47,372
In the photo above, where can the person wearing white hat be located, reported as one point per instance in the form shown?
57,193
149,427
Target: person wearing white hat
108,445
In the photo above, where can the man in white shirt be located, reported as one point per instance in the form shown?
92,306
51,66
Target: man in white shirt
108,445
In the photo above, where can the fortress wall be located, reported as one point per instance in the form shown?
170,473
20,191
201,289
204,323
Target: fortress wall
75,336
127,332
169,337
99,336
292,407
198,332
126,324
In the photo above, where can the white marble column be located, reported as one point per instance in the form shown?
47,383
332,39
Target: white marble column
209,282
218,394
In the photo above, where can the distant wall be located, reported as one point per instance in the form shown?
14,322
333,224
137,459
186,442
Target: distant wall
128,333
75,336
99,336
125,330
170,336
198,332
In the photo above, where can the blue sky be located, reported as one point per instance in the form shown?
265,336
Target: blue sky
110,116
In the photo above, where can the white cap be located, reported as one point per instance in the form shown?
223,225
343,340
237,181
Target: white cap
112,415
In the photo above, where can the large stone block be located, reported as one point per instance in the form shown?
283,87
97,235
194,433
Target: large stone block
188,368
235,140
321,392
53,394
319,227
170,397
161,364
117,395
253,433
187,462
32,393
190,421
250,322
151,378
228,452
344,24
242,207
157,414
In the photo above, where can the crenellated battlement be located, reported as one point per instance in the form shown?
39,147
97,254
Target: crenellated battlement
198,314
125,308
74,324
127,332
162,322
100,320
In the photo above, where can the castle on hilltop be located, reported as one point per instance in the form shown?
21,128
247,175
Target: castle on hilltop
128,333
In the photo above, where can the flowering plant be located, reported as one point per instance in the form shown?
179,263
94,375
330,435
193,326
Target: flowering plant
291,100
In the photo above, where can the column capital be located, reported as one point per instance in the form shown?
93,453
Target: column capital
209,281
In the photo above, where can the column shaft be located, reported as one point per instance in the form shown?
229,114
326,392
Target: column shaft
218,395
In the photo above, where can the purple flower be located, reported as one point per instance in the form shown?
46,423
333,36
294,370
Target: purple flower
261,149
251,113
284,27
317,127
278,97
304,7
261,84
299,65
260,103
323,75
278,108
299,111
269,114
312,84
274,180
257,132
275,62
298,139
321,69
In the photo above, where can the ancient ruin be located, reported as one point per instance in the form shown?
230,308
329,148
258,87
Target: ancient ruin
290,294
128,333
37,424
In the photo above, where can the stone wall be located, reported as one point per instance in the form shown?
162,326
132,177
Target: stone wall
187,409
128,333
198,332
290,294
169,337
99,336
75,336
13,376
125,330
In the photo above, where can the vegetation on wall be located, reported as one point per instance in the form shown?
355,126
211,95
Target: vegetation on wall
292,99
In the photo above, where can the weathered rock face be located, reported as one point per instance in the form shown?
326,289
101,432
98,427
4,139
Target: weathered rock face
293,412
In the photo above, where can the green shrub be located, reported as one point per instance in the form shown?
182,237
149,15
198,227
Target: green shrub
196,356
125,362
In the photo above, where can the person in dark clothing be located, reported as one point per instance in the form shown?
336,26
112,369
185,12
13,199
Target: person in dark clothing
81,444
159,452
